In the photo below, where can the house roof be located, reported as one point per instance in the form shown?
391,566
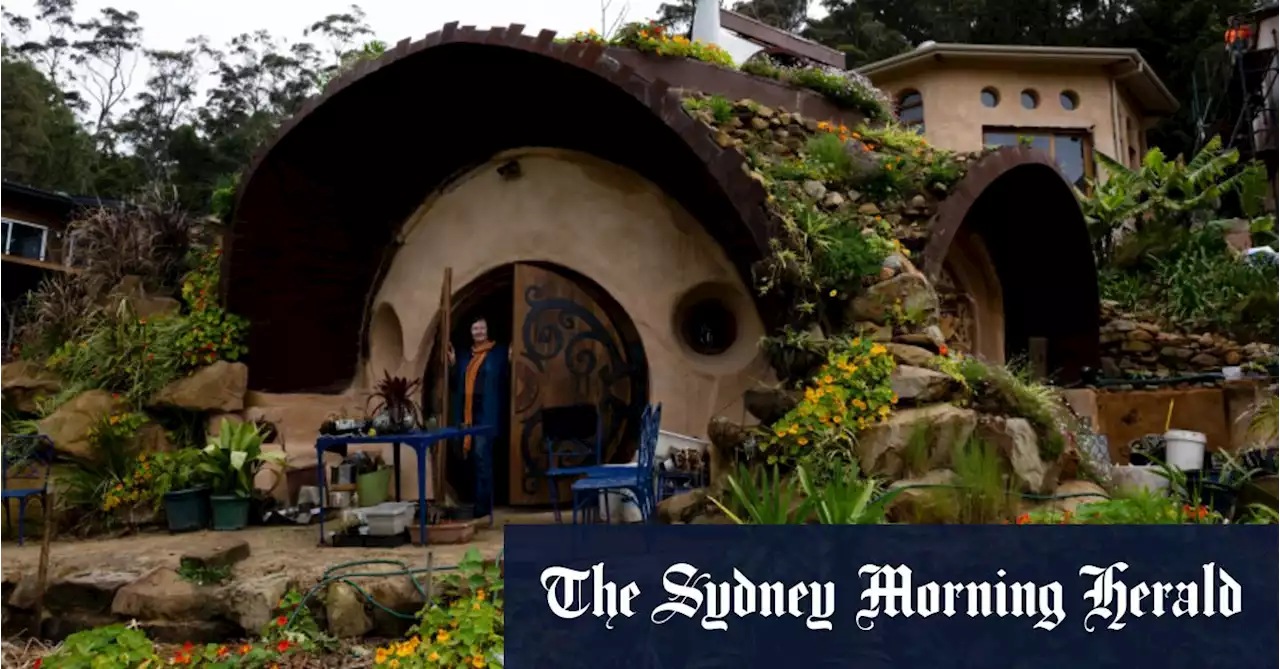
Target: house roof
54,198
1127,65
775,38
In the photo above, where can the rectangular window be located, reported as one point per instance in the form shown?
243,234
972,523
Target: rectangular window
25,240
1071,149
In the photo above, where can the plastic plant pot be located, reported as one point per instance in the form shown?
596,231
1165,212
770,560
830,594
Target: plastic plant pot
230,512
187,510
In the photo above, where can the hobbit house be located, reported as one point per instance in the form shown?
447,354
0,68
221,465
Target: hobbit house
633,225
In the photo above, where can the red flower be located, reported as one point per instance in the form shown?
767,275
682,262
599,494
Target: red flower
942,349
282,621
222,651
244,650
1023,519
186,647
283,645
39,661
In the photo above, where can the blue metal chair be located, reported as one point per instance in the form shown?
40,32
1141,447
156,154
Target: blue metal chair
636,478
22,452
573,436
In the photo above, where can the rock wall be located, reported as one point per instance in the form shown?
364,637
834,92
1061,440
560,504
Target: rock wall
1134,347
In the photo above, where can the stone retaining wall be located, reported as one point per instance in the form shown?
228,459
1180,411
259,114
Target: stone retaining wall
1135,347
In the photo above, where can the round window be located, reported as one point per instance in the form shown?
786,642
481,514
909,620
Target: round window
709,327
990,97
1069,100
1030,99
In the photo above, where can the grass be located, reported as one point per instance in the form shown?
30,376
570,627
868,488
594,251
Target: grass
983,493
203,575
1009,390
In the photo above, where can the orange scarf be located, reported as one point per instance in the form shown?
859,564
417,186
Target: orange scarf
478,353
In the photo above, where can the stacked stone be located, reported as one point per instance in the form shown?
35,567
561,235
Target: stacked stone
1134,347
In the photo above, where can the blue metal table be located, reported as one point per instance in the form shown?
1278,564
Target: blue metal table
421,442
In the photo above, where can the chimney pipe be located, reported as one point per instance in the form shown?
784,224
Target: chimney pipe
706,21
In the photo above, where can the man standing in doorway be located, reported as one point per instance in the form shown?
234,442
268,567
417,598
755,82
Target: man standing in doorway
478,398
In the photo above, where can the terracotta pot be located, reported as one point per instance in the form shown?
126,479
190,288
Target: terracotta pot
447,532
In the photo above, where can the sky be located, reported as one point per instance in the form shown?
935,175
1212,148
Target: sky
168,23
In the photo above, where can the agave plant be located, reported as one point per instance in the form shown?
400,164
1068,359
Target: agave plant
394,397
234,458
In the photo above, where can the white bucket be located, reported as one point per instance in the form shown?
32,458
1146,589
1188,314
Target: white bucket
1139,477
1184,449
622,507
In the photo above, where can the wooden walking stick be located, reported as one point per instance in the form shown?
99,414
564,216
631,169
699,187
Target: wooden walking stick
42,573
446,327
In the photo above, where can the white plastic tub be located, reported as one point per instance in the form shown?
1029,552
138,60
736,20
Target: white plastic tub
1184,449
1139,477
388,518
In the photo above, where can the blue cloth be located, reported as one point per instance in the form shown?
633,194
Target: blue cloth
490,395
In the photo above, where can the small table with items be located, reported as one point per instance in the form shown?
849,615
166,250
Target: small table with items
420,441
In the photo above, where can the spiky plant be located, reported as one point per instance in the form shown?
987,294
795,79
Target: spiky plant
394,396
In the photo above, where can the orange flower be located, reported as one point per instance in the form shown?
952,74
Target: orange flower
942,349
222,651
244,649
187,647
1023,519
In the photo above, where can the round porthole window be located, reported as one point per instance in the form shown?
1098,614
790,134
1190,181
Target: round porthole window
708,326
1030,99
1069,100
990,97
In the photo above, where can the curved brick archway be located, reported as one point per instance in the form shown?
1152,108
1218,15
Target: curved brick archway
318,213
1017,204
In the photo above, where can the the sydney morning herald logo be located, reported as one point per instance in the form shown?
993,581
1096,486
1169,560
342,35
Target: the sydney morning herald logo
892,591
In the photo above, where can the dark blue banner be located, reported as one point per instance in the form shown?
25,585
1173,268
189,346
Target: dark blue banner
892,596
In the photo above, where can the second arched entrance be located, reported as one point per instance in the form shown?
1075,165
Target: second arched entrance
570,344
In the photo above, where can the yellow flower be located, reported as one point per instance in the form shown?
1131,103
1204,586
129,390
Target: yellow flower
794,429
480,594
442,636
802,441
393,664
836,419
828,379
781,433
381,656
477,662
832,293
433,657
405,650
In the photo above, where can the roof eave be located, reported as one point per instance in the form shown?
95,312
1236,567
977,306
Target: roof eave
1154,96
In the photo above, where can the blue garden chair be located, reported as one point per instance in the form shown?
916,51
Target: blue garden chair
636,478
22,453
573,436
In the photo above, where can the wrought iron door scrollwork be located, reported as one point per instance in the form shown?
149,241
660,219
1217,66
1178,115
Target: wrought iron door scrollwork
561,328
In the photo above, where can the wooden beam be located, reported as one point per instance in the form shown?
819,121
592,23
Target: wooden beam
770,36
446,328
39,264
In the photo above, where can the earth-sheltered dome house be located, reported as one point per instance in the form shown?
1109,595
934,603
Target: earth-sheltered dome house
610,215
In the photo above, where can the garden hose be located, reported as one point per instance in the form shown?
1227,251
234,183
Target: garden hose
1043,498
331,577
331,574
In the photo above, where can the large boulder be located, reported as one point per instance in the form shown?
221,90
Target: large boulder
906,354
682,508
74,589
217,387
884,449
917,385
925,503
769,405
344,609
251,603
909,293
1015,440
70,425
24,382
164,595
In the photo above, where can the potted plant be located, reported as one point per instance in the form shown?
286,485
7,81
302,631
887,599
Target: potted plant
231,461
396,410
183,492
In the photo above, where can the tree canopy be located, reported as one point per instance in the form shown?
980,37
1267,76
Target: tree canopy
75,119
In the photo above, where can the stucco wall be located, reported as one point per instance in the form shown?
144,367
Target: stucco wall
954,115
603,222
